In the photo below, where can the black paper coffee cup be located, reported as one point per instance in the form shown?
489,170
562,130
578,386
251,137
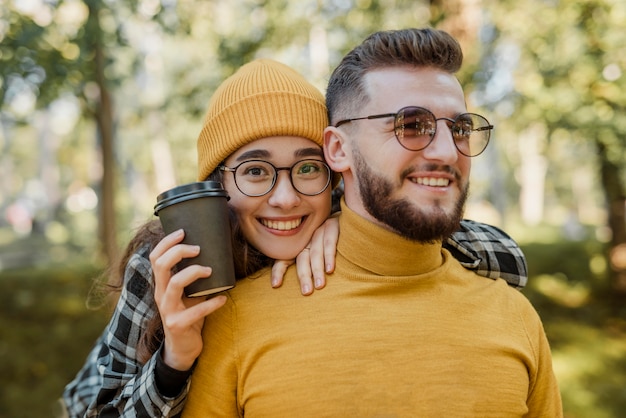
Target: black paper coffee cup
201,210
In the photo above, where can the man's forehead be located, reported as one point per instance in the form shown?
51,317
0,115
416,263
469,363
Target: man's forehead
411,86
382,77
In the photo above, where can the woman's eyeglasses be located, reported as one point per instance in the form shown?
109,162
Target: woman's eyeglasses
257,177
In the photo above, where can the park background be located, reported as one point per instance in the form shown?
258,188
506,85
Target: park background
101,103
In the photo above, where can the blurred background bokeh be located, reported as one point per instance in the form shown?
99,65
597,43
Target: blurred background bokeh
101,102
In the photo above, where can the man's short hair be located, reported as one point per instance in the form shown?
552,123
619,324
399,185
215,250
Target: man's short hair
414,48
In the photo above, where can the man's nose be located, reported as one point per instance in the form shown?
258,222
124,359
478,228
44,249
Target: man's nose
442,147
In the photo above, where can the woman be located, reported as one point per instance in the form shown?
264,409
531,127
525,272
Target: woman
261,124
143,360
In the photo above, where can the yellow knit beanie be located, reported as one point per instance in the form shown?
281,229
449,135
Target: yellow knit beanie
263,98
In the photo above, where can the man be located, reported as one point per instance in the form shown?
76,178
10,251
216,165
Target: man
402,330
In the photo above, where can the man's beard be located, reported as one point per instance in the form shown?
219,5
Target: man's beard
401,215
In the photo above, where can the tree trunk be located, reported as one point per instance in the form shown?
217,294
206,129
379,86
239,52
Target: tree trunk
104,122
616,206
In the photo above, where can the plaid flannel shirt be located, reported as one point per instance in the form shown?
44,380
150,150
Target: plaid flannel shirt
113,383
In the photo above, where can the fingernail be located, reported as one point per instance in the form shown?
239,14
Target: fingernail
318,283
306,289
274,282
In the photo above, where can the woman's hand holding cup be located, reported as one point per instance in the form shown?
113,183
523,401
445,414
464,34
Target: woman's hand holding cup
182,317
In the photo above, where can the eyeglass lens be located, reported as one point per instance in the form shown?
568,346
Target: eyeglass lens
257,177
415,128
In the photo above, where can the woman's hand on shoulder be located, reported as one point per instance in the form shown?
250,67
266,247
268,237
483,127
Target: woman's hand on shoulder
314,261
182,317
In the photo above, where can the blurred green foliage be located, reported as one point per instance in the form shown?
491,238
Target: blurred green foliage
46,332
548,74
585,323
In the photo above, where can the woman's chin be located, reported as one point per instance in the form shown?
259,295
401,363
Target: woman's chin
282,251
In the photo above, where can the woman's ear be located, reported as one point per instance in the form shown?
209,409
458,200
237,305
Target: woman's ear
336,149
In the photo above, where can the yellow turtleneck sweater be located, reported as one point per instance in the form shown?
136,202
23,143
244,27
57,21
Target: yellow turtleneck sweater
401,330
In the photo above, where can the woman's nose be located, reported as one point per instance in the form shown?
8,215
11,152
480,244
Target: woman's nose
283,194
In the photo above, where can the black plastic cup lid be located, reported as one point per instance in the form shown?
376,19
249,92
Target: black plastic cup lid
189,191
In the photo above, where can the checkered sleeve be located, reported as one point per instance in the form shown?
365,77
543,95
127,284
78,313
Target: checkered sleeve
489,251
113,382
80,391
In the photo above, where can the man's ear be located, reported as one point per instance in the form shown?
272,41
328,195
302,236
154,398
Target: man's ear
336,149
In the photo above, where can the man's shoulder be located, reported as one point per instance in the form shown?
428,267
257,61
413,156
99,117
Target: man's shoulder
258,285
472,278
494,295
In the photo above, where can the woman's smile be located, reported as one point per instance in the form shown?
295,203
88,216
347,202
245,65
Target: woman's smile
282,224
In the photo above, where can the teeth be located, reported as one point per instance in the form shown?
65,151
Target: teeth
433,181
282,225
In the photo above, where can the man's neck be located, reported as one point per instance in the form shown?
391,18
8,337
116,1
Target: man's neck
382,251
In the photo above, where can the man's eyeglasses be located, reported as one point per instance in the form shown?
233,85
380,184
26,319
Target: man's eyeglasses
258,177
415,129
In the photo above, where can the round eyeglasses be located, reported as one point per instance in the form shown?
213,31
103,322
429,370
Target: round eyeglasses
257,177
415,128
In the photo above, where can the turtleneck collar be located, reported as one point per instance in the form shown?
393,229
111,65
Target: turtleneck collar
382,251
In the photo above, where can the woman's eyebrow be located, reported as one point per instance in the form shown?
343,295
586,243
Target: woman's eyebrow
309,152
254,154
265,154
